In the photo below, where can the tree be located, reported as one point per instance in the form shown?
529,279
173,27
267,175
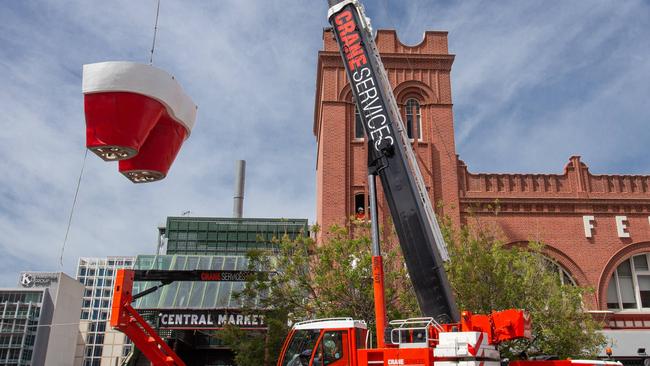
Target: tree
486,275
335,279
332,279
258,347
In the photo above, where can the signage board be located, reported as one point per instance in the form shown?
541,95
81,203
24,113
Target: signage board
209,319
38,279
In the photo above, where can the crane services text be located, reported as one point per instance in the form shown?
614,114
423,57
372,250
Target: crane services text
365,86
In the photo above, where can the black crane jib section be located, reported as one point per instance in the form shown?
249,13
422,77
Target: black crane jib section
387,148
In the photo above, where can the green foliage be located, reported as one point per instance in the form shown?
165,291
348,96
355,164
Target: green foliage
335,279
316,281
485,275
253,348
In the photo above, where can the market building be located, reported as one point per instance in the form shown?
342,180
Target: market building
596,228
189,314
39,320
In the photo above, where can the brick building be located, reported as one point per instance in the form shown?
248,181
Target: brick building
595,227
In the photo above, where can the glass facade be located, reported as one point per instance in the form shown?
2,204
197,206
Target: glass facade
190,295
209,235
19,316
100,343
206,243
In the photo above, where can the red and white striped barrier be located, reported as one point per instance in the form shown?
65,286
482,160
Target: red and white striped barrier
136,114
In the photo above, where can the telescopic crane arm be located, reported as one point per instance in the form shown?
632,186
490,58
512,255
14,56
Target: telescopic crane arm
393,160
390,157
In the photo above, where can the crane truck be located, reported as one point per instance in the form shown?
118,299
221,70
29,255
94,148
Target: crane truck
444,336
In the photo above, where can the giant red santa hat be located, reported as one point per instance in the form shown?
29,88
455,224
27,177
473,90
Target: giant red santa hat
137,114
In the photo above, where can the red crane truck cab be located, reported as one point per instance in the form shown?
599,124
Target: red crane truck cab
332,342
412,342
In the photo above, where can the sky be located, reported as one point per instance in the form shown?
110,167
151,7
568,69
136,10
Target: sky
533,83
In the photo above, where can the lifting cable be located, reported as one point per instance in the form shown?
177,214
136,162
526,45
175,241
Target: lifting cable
83,165
155,32
74,203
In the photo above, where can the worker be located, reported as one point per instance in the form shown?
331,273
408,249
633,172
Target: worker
361,214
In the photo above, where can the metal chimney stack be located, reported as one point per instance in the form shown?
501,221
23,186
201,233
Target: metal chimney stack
240,174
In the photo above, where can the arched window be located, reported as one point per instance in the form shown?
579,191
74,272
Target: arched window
413,126
358,125
563,274
629,286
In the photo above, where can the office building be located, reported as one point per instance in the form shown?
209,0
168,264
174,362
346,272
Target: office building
39,320
98,344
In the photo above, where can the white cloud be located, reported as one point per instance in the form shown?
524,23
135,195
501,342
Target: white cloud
252,76
250,66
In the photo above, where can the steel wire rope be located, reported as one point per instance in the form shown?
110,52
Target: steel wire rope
155,32
74,204
83,165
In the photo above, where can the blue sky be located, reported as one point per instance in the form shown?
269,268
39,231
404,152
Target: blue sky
533,83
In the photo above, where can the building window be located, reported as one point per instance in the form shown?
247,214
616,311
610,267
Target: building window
563,274
629,286
101,326
358,125
360,206
413,126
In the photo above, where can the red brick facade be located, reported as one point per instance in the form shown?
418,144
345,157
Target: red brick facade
551,208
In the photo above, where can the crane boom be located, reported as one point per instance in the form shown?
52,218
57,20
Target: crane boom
393,159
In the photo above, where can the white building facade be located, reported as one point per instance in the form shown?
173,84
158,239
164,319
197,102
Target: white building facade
98,344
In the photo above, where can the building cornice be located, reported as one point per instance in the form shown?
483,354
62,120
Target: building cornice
550,206
576,182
